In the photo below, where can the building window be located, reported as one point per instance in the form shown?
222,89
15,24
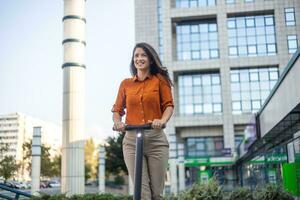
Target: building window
230,1
238,139
160,29
197,40
204,146
250,88
194,3
199,94
251,36
292,43
290,16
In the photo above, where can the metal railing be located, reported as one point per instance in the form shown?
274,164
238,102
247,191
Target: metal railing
15,192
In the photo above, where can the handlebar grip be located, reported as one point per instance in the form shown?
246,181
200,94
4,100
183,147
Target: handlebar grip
135,127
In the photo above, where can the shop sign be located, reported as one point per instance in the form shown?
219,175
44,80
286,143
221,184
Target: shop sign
197,161
277,158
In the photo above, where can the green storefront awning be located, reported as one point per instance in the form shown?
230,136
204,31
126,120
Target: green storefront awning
205,161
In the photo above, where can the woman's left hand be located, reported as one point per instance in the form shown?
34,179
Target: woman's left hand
158,123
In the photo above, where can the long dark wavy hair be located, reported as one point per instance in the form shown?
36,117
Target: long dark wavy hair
155,62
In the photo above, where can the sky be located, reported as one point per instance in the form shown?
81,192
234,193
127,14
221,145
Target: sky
31,56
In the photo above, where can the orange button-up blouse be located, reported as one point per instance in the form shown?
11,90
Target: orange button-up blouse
144,100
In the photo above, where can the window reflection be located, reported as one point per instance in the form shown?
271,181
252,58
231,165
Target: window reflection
230,1
204,146
160,30
199,94
292,43
251,35
250,87
194,3
290,16
197,40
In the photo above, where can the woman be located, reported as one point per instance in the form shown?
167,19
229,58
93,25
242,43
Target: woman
147,98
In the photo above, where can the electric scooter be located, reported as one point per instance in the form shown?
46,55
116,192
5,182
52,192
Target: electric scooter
138,156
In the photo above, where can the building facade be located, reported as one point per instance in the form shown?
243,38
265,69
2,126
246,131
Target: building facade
17,128
224,57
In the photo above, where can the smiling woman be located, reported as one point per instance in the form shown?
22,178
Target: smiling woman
147,98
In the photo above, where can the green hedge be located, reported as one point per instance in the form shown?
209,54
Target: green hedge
241,194
104,196
210,191
213,191
272,192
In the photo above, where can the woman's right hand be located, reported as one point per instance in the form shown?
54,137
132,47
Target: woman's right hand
119,126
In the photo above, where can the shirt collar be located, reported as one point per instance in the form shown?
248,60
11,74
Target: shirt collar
135,78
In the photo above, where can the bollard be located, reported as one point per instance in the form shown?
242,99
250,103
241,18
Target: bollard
101,175
181,168
173,164
36,161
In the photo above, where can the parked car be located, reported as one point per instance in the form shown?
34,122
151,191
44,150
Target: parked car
21,185
44,184
10,184
16,184
111,184
28,183
91,183
53,184
25,185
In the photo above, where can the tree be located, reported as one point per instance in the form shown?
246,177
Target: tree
8,165
114,161
46,163
27,155
56,165
87,171
91,159
49,168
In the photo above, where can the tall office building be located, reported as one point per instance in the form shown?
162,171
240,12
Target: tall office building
224,57
17,128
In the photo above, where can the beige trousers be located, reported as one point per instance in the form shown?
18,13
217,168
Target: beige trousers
155,161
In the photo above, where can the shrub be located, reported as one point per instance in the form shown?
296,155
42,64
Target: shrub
272,192
209,191
241,194
170,198
104,196
119,180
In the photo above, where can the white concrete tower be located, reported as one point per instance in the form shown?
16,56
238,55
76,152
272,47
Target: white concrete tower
73,97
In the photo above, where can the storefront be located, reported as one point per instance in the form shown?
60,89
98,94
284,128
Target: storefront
200,170
274,155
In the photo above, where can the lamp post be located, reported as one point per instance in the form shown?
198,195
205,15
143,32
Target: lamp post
173,163
36,161
101,175
181,168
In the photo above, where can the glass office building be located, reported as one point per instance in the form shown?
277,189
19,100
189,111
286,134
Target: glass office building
224,57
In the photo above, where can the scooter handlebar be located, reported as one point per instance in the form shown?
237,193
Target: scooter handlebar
144,127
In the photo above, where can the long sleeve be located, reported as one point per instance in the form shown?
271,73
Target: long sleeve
120,103
165,94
